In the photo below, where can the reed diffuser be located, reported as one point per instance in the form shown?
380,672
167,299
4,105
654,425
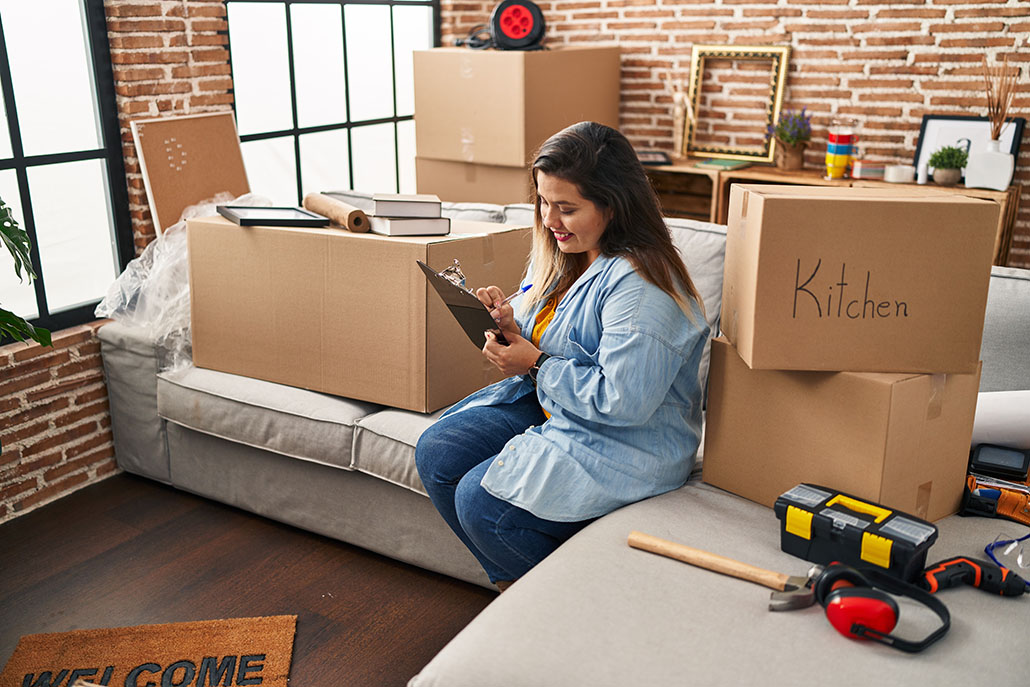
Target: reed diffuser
993,168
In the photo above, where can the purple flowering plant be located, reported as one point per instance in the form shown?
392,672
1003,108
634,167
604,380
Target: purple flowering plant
792,128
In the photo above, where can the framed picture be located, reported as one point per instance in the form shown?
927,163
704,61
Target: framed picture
971,133
248,216
653,157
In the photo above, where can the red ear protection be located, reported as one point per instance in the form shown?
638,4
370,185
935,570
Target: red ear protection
857,607
852,605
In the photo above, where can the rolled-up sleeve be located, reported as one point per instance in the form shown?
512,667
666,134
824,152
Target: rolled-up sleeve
630,374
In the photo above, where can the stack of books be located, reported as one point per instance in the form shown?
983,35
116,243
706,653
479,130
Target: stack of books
866,169
398,214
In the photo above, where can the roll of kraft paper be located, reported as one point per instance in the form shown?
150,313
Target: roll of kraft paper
347,216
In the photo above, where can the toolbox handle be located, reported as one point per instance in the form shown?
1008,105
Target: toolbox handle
860,507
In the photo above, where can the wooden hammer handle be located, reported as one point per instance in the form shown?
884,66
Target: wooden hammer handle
709,561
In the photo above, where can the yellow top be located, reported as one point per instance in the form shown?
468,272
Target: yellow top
543,318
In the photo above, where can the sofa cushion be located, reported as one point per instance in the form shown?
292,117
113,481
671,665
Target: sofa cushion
600,613
1005,349
384,445
292,422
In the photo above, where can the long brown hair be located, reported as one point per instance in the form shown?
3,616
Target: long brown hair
605,168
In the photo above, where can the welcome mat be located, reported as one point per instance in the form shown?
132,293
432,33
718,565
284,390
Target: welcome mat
238,651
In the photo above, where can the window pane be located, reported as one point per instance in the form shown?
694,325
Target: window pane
260,66
369,61
18,297
75,231
406,154
53,78
318,64
272,169
374,155
5,135
323,162
412,30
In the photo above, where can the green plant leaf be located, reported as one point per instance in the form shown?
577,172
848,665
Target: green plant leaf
17,328
17,242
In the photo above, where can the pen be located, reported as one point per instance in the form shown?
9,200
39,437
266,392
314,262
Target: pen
521,291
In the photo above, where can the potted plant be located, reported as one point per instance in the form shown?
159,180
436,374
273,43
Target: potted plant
17,242
792,132
947,163
993,168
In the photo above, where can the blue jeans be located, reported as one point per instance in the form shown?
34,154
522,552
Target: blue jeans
452,456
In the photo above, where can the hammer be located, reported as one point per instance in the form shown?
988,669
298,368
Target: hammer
791,591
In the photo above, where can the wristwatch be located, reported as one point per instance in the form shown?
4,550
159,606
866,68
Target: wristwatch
535,368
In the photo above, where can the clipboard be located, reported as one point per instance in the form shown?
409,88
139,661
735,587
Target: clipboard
471,314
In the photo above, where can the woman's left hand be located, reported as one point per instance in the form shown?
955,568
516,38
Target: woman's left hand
514,359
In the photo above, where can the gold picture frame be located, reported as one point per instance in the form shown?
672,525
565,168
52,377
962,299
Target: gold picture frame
735,130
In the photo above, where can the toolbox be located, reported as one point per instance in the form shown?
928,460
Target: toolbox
823,526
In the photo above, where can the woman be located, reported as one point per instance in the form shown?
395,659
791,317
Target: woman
602,405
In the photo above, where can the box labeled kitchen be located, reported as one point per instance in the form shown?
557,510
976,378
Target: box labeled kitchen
861,279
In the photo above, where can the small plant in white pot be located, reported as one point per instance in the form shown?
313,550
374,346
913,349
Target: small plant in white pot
947,163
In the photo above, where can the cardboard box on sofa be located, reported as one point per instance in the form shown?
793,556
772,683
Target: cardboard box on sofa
861,279
495,107
901,440
460,182
343,313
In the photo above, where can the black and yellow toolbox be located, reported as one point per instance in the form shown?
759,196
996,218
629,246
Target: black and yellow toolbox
822,525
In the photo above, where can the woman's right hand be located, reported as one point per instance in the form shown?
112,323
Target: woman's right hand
504,315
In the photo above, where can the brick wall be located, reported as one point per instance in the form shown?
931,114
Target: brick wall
169,58
884,62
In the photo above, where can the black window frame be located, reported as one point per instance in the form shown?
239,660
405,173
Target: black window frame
297,131
110,151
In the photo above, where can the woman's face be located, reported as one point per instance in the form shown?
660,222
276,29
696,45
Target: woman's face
576,223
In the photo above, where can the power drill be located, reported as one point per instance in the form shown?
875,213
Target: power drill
980,574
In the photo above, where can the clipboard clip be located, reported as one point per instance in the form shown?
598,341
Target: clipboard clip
454,275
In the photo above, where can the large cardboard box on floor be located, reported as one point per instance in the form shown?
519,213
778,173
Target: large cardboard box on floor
862,279
900,440
470,182
495,107
343,313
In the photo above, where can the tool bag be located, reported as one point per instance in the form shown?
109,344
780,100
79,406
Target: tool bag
985,497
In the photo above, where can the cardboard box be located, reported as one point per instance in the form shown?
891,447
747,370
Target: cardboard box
900,440
460,182
344,313
495,107
861,279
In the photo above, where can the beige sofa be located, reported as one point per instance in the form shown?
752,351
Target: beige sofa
596,612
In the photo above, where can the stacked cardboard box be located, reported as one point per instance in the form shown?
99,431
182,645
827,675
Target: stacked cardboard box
344,313
481,114
851,323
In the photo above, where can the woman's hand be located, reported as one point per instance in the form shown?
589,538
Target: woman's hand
514,359
504,315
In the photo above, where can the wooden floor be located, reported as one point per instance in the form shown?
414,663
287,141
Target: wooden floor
129,551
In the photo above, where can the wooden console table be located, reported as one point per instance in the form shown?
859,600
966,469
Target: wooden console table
698,193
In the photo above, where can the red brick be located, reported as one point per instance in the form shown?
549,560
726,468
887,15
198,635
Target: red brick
81,413
971,27
164,57
17,488
34,412
904,14
977,42
26,382
50,491
65,437
130,42
29,466
992,12
139,25
899,40
136,9
92,442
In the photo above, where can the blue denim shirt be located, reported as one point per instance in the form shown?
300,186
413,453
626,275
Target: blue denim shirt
623,392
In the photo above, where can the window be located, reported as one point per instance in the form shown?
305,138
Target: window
61,167
324,92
